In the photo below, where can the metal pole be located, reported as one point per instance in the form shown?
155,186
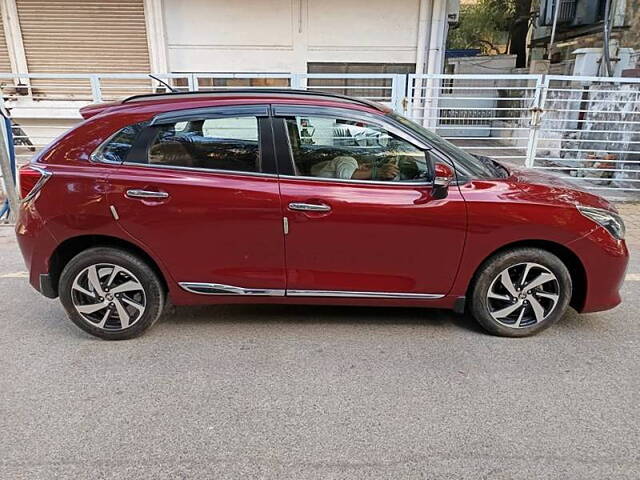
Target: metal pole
8,175
606,34
555,23
537,109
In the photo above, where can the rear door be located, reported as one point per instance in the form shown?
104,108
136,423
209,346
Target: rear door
362,220
199,191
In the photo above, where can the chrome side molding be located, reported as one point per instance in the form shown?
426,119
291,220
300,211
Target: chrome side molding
221,289
350,294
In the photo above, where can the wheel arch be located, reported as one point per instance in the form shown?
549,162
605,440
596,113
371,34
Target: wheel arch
566,255
71,247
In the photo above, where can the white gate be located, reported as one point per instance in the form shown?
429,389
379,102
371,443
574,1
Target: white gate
487,115
588,130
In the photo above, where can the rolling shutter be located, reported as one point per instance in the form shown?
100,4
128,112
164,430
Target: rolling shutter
5,64
88,36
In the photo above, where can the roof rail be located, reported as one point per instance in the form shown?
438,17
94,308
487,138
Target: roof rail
257,92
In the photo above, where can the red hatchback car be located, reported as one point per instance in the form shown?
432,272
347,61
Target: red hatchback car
282,196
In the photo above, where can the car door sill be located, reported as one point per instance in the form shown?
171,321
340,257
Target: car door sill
221,289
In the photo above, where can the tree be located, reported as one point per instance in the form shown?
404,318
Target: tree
494,26
519,30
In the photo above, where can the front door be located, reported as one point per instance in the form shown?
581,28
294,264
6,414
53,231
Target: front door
199,191
362,220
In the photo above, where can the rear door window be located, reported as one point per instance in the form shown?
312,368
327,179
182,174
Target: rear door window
116,148
224,143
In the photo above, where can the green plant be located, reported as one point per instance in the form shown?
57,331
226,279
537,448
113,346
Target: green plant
493,26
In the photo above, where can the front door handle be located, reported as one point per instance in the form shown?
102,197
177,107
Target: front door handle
309,207
135,193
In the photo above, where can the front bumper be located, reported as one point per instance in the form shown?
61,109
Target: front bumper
605,262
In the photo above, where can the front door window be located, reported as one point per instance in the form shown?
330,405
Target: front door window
330,147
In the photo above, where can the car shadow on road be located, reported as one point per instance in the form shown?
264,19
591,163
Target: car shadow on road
354,315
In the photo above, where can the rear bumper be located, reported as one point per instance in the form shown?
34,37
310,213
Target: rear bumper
605,261
36,245
46,286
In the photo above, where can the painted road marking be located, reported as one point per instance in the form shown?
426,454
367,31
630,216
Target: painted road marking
15,275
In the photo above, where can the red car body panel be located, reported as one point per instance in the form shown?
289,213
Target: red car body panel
228,228
375,238
212,226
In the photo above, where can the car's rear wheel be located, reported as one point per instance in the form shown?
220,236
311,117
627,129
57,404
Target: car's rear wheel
520,292
111,293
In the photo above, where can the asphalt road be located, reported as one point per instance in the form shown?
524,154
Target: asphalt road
307,392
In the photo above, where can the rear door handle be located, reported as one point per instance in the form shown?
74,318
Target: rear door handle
135,193
309,207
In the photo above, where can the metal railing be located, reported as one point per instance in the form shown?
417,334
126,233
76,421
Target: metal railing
583,128
589,131
485,114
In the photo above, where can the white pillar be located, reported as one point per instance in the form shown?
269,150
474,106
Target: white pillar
13,36
437,45
156,36
300,28
438,37
424,34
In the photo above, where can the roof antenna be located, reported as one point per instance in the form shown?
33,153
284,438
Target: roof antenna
173,90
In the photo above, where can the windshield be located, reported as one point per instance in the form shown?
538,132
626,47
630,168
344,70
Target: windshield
466,164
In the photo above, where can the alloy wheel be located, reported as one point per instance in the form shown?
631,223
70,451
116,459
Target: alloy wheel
523,295
108,296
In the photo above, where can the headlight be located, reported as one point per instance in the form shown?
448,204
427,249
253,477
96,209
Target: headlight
609,220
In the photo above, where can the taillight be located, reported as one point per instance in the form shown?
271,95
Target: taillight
31,179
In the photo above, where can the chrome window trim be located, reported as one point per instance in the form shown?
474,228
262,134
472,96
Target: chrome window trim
202,288
198,169
222,289
388,183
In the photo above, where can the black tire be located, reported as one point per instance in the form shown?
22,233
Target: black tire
134,269
481,306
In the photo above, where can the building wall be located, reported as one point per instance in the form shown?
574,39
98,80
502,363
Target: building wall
283,35
626,32
631,36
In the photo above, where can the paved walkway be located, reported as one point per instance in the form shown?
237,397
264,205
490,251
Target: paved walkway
631,215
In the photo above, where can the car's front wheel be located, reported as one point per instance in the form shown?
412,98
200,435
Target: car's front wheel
111,293
520,292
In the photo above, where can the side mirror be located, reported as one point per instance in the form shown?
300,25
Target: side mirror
442,179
